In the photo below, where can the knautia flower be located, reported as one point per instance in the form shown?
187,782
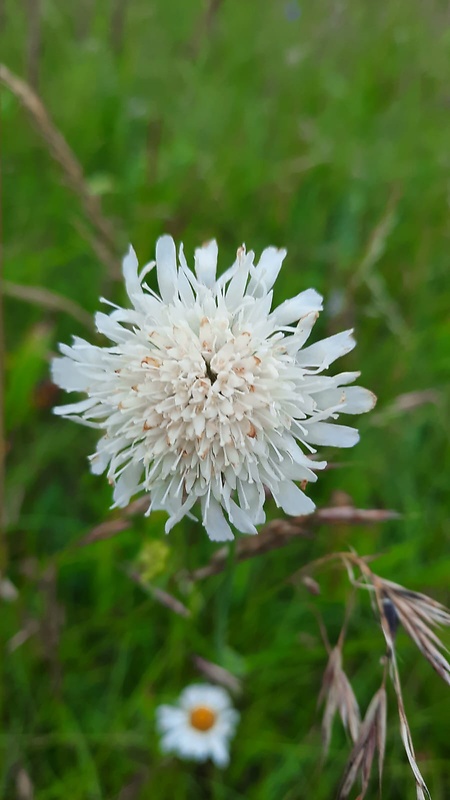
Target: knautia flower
200,726
207,394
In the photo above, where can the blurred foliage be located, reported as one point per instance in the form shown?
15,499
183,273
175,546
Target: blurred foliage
321,127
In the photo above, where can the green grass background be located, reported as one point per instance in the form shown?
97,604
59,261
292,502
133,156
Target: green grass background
322,127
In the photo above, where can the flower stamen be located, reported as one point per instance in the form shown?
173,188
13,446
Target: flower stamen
202,718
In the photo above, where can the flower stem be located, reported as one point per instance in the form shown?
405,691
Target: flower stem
223,602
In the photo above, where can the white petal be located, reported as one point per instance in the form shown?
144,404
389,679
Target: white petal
180,512
228,720
130,267
75,408
205,694
166,267
100,460
297,307
127,484
344,378
240,519
266,271
353,399
251,498
206,263
292,500
67,375
323,353
236,287
168,717
329,434
214,521
172,741
301,333
108,326
219,751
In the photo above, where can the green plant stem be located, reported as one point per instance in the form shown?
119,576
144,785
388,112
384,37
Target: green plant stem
223,602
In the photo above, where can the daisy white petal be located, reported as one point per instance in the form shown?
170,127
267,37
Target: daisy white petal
200,725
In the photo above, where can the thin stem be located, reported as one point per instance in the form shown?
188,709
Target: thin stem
223,602
3,544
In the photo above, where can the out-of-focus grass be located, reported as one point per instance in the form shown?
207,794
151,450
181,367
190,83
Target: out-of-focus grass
323,128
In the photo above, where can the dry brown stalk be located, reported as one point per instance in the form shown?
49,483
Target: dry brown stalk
338,695
364,272
3,443
311,585
217,674
405,733
134,785
276,534
47,299
352,515
72,169
111,527
24,785
371,738
51,623
388,626
30,628
118,20
166,599
280,533
376,244
34,42
104,531
405,402
204,27
8,592
418,614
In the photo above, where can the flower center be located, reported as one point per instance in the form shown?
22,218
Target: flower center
202,718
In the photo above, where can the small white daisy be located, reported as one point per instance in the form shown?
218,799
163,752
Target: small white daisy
206,392
200,725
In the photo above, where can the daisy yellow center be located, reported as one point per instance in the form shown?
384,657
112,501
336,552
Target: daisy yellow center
202,718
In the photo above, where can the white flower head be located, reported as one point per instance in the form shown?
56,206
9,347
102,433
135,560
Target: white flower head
207,394
200,725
